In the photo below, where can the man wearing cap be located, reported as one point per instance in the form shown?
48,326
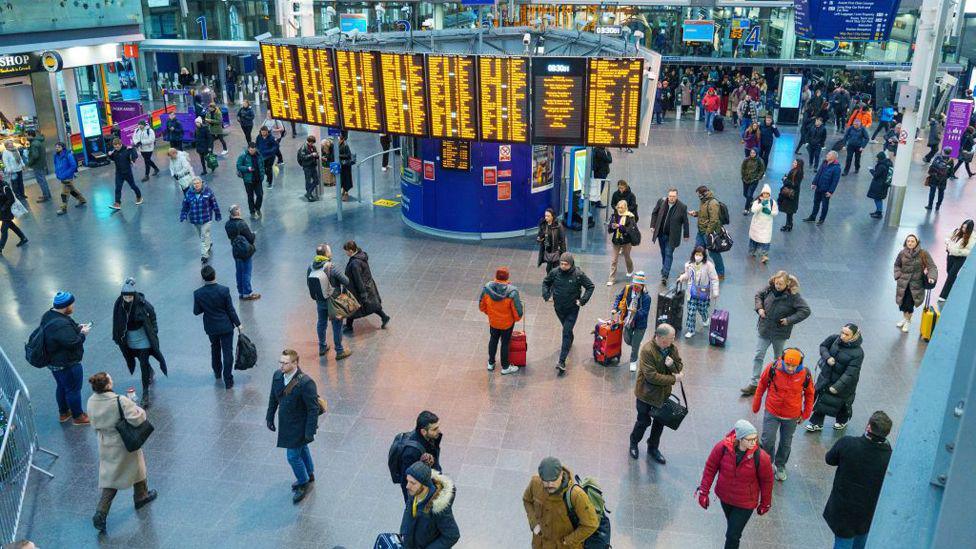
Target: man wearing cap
564,285
500,301
633,304
428,521
547,508
145,139
659,369
64,343
788,403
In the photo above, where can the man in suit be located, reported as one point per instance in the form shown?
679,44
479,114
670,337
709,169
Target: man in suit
213,301
669,221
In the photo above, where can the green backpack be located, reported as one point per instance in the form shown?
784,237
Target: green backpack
211,160
601,538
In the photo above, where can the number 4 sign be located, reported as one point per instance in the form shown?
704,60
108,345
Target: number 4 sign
752,41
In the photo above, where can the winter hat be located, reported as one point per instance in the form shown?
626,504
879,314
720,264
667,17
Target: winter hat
568,258
501,274
766,189
420,471
62,299
793,356
743,429
639,278
549,469
129,286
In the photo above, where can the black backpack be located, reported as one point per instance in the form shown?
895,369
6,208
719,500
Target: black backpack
395,458
723,212
241,247
35,351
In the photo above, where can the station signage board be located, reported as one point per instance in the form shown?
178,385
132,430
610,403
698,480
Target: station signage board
846,20
613,102
558,98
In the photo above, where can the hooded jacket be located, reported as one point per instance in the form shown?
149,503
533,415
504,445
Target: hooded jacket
267,145
761,226
63,340
363,286
65,165
842,375
549,512
861,466
790,395
864,115
816,136
144,138
739,484
434,526
879,177
37,154
787,304
564,287
711,101
856,138
709,216
501,302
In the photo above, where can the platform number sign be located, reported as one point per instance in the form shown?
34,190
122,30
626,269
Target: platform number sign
835,45
752,41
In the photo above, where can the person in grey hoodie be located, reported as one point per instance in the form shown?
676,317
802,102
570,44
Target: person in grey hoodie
501,302
324,283
564,285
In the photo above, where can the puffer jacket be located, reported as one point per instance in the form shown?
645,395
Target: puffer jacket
709,217
752,170
549,512
864,115
909,275
711,101
842,375
957,247
761,226
739,484
654,377
267,146
501,302
879,178
434,526
564,288
856,138
63,340
790,396
626,299
65,165
787,304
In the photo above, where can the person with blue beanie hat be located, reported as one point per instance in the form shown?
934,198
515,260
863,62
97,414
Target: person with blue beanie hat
64,347
428,521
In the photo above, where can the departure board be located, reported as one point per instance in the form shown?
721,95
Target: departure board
452,88
613,112
558,100
404,93
279,68
316,69
359,90
504,98
455,155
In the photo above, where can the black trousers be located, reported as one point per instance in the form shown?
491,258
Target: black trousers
789,220
568,321
933,150
814,155
932,191
145,368
764,154
953,264
247,132
840,117
6,226
176,144
126,178
148,161
820,199
505,336
312,180
855,154
222,344
203,161
220,137
269,169
281,159
735,520
882,127
644,420
961,162
255,196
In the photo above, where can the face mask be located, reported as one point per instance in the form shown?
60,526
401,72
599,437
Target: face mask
699,259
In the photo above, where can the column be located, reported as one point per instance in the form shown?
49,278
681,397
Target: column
71,98
439,16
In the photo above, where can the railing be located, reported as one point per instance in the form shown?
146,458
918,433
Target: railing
395,161
18,449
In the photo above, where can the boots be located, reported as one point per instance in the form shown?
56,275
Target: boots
101,512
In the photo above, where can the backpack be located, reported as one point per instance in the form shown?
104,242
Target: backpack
600,539
395,457
772,376
241,247
939,167
211,160
723,212
323,277
35,351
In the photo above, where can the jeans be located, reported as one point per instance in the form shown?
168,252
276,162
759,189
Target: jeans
41,177
300,460
125,178
786,427
148,161
312,180
953,264
255,196
659,117
853,153
814,155
68,392
505,336
932,191
820,198
645,420
762,344
322,326
5,227
749,193
758,249
206,241
243,271
617,250
735,520
878,205
667,255
633,337
568,320
764,154
716,257
17,185
744,124
857,542
710,120
222,345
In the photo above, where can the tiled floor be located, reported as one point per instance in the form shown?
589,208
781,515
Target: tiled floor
222,482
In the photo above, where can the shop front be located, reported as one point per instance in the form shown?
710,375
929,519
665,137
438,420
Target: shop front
18,112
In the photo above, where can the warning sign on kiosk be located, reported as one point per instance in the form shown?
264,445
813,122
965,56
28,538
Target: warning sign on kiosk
489,176
428,170
414,163
504,190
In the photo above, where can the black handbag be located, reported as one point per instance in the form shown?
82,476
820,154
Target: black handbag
672,412
247,354
719,241
133,437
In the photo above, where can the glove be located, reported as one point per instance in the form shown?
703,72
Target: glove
702,498
271,426
762,509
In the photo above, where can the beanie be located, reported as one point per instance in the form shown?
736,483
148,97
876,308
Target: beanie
568,258
549,469
129,286
501,274
639,278
743,429
793,357
62,299
420,471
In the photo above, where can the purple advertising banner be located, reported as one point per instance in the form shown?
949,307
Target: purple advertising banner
128,127
957,119
124,110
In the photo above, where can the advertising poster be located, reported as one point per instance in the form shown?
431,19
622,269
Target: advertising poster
504,174
957,119
428,170
414,163
489,176
792,87
579,169
504,190
543,161
352,21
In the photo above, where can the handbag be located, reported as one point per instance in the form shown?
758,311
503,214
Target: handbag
925,278
719,241
17,209
133,437
322,404
345,304
787,192
672,412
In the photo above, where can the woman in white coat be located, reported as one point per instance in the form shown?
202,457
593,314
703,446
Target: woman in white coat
763,209
180,168
703,283
118,468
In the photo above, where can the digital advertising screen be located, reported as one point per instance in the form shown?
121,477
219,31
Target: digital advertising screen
455,155
503,84
359,90
695,30
284,99
613,102
790,94
404,93
316,68
452,89
558,100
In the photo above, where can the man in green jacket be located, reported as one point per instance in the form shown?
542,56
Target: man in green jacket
37,161
250,169
709,221
214,120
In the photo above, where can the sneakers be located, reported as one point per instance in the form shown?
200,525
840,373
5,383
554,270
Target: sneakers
840,426
688,335
633,366
629,275
904,328
82,420
813,428
64,417
384,323
491,367
344,354
900,323
780,474
876,215
298,493
561,369
510,370
116,206
323,350
139,201
223,153
940,300
634,451
609,283
808,220
748,390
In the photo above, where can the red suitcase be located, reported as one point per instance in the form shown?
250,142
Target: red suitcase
607,340
517,347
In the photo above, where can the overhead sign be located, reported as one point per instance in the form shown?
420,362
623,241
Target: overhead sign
455,155
790,94
956,122
850,20
558,99
316,69
453,96
504,96
738,27
16,65
694,30
404,93
612,30
349,22
613,109
359,90
284,100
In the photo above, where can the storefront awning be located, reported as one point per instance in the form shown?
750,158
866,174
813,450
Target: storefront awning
223,47
16,43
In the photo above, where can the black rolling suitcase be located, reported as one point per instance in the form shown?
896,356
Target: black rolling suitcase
718,124
671,307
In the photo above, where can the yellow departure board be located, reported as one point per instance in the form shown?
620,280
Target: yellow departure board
284,99
453,103
359,90
558,100
504,98
316,70
404,93
455,155
613,114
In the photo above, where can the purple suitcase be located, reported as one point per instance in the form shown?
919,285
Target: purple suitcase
718,328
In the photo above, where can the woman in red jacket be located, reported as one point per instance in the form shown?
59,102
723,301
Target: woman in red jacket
745,479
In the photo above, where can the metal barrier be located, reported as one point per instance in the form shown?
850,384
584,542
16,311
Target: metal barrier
358,180
18,449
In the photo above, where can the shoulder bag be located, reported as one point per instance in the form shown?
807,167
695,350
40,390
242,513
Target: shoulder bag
672,412
133,437
925,278
322,404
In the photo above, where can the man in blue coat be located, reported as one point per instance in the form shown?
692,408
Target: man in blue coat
824,185
213,301
855,139
295,398
428,522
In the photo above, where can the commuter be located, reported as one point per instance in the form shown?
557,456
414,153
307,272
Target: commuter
501,303
269,148
65,168
308,159
7,222
245,117
885,121
764,209
37,162
385,142
658,113
328,151
428,522
669,222
914,270
601,165
659,369
880,182
938,177
841,357
824,184
235,227
362,285
934,138
551,239
788,199
295,398
548,499
174,132
624,192
768,132
64,344
201,209
891,139
958,247
346,161
855,139
324,284
118,468
815,142
564,285
202,143
703,287
966,150
752,139
185,79
861,113
632,305
423,445
735,99
123,157
621,228
144,138
213,301
711,102
753,169
277,130
114,133
251,169
779,307
744,480
862,462
214,120
789,402
709,222
13,169
840,100
136,332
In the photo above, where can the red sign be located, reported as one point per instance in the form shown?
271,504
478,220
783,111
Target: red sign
428,170
504,173
414,163
504,153
504,190
489,176
130,51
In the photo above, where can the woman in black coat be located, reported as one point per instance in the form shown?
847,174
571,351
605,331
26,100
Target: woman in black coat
840,367
551,239
880,182
135,331
623,192
789,194
202,142
7,216
966,151
362,286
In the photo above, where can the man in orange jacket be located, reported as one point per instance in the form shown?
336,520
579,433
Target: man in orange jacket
788,403
501,302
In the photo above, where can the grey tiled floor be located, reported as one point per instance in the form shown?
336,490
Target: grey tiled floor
222,482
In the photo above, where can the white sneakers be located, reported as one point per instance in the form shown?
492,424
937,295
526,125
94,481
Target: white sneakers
901,323
629,275
633,366
609,283
510,370
491,367
688,335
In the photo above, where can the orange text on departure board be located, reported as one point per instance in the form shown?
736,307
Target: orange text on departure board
451,84
317,74
404,93
359,90
279,70
455,155
613,116
504,98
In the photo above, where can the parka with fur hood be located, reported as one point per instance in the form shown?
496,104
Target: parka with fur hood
434,526
787,304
